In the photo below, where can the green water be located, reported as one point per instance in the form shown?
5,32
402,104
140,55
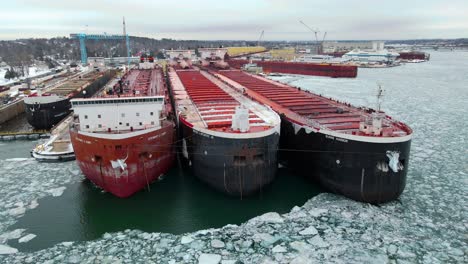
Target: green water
177,204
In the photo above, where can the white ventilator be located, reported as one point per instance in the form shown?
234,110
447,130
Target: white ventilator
240,119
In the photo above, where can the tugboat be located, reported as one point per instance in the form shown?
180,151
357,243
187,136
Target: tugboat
360,153
229,141
123,141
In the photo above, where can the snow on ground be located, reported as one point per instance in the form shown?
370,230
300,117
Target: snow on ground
33,71
428,224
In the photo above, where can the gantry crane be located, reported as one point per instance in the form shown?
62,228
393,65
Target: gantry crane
82,37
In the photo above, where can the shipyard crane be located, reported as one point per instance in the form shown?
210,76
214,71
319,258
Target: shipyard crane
260,38
315,30
82,37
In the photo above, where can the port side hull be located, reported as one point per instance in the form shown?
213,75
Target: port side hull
237,167
44,116
355,169
125,166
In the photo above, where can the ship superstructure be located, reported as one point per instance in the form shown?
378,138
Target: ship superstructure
123,141
360,153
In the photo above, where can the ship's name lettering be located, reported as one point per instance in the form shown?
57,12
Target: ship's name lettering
84,141
157,136
200,133
337,139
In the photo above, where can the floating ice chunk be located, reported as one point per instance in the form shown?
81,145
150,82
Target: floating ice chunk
74,259
216,243
317,212
228,261
67,244
4,249
18,159
269,218
26,238
17,211
301,259
265,239
209,259
107,236
317,241
392,249
279,249
33,204
309,231
186,240
15,234
57,191
299,246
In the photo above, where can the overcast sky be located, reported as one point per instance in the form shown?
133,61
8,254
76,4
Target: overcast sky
237,19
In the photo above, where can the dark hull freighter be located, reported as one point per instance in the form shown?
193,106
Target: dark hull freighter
360,153
46,110
229,141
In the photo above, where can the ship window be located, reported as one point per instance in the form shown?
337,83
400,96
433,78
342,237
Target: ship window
85,117
123,115
120,123
98,116
151,113
87,126
137,114
128,124
141,123
152,122
99,126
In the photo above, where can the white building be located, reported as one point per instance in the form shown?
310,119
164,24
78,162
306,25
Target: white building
378,54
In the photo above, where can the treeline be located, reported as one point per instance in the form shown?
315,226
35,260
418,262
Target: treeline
27,50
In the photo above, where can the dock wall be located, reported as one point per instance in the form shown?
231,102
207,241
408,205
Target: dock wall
10,111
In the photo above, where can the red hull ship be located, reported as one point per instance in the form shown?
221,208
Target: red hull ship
303,68
123,141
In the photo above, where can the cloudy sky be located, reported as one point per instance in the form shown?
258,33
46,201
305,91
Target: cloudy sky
237,19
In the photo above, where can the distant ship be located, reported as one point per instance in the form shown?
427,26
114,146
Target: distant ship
228,140
327,69
123,141
360,153
44,110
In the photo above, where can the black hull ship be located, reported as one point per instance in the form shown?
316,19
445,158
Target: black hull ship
360,153
229,141
43,111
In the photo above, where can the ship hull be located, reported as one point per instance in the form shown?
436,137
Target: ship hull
356,169
237,167
127,165
302,68
46,115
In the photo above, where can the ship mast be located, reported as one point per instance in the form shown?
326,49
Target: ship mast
379,96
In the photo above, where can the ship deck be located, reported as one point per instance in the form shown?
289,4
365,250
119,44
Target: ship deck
204,101
140,82
308,108
75,84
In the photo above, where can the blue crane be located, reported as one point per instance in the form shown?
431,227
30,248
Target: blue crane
82,37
